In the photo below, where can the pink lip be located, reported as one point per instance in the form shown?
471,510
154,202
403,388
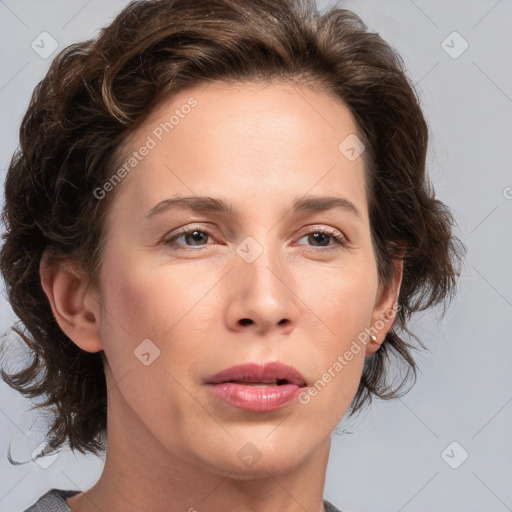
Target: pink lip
251,398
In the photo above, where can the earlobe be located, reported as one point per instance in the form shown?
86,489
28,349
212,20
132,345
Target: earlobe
385,311
74,306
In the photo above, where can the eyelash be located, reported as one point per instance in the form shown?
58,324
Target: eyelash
340,240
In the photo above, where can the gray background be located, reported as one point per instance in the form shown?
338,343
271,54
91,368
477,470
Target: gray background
398,457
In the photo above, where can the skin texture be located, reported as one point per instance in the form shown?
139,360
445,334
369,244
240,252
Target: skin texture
171,444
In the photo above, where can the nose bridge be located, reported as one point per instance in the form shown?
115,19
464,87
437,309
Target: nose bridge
264,290
262,265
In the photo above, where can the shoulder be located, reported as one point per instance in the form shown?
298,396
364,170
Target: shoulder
53,501
329,507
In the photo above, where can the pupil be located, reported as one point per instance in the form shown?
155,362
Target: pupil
317,235
196,236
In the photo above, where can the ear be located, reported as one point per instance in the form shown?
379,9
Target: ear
385,309
75,306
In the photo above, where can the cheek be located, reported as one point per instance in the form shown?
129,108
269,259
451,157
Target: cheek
342,298
342,310
162,303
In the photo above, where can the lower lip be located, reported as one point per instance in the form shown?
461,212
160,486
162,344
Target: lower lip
258,399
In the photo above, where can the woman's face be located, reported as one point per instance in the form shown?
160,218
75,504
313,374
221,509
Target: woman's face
258,283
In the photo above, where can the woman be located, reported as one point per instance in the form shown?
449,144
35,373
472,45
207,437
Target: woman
217,226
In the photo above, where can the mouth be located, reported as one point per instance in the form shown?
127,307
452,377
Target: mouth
257,387
269,374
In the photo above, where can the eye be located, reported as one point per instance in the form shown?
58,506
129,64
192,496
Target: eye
195,237
322,236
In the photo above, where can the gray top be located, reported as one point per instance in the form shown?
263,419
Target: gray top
55,501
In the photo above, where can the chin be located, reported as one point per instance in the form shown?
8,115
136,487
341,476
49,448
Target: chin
257,460
262,469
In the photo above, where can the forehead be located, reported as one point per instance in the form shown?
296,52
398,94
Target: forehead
251,110
243,141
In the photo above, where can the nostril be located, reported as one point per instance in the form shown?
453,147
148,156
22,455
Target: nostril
246,321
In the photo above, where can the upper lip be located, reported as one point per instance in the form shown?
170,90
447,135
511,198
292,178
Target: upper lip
266,372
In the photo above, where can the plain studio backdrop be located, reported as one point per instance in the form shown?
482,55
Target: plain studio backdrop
446,445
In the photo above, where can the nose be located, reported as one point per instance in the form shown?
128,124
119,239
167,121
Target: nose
261,295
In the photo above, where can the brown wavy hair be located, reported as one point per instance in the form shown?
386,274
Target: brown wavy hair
97,92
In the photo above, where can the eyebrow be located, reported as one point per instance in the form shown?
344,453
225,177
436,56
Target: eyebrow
211,204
